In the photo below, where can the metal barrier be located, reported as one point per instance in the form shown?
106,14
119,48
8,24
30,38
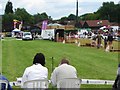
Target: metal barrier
84,81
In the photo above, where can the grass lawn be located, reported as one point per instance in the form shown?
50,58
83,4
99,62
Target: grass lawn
91,63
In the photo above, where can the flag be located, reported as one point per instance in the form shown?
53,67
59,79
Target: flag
44,24
15,22
20,25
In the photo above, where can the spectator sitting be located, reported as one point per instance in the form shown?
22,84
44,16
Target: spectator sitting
36,71
64,70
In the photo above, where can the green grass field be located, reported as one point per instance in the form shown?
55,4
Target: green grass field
90,62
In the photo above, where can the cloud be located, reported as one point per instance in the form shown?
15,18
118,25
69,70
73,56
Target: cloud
56,8
0,6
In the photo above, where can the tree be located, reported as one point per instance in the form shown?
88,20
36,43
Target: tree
63,20
107,11
117,12
9,8
40,17
44,16
71,17
22,15
90,16
7,22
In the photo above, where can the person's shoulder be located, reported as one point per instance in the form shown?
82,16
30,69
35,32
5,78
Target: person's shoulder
3,77
45,68
28,68
56,69
72,66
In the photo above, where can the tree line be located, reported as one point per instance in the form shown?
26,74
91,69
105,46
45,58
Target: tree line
108,11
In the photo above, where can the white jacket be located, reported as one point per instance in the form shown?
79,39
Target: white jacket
63,71
34,72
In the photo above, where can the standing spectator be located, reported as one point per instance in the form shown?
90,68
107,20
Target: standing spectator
2,87
64,70
110,40
99,40
37,70
93,40
116,85
105,42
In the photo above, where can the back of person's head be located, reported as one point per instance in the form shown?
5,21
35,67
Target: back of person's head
39,59
64,61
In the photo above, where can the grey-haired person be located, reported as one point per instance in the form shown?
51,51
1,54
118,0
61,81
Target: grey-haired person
64,70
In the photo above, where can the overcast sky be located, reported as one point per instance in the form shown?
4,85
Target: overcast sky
55,8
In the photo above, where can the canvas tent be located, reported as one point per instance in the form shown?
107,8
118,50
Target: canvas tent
16,33
55,26
16,30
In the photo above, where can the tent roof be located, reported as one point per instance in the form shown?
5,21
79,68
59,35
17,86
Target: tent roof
16,30
55,24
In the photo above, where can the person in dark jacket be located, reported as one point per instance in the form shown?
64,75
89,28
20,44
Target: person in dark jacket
110,40
99,40
116,85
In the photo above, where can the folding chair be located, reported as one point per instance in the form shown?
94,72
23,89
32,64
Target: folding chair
69,83
36,84
3,84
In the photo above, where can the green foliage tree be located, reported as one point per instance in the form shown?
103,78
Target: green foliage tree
63,20
7,22
89,16
117,12
71,17
40,17
44,16
109,11
9,8
22,15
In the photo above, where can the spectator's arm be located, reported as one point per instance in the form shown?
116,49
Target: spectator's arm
116,80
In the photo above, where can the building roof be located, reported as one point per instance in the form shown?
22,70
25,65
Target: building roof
96,23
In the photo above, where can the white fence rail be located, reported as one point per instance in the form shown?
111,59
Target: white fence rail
84,81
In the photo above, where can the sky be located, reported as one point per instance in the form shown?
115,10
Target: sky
56,8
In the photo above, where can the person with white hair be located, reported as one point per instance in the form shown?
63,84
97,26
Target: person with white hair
64,70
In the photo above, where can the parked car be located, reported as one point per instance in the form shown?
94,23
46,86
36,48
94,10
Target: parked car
117,38
27,36
1,36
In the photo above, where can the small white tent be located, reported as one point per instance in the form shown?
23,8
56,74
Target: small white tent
15,31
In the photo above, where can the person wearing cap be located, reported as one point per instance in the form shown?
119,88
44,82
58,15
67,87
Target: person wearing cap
36,71
64,70
116,84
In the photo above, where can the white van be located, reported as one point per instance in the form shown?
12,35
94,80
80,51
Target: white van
48,34
27,36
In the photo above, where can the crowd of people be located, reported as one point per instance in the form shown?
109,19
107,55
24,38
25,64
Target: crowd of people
99,38
64,70
108,39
